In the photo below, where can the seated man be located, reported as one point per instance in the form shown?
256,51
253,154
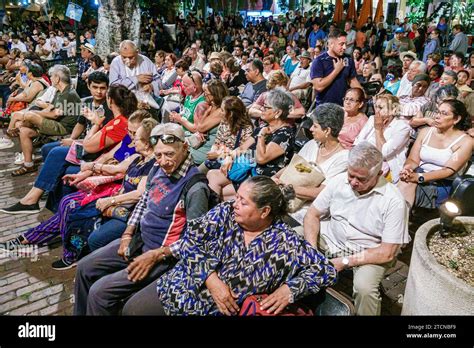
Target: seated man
416,68
134,71
162,213
58,118
300,81
368,224
256,85
54,154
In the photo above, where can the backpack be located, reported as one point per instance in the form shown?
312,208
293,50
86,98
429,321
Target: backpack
213,198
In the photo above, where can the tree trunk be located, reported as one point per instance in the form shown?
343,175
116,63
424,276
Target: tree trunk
118,20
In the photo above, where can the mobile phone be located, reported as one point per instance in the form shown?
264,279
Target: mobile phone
79,151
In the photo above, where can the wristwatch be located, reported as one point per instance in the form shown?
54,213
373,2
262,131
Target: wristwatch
345,262
421,178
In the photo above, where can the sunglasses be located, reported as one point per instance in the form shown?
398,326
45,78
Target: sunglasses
165,139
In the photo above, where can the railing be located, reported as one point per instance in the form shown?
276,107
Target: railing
71,63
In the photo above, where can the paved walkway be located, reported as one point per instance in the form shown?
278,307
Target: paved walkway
29,286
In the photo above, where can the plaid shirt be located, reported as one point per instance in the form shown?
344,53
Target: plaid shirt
82,67
142,204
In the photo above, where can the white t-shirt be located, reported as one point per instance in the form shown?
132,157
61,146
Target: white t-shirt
333,166
358,222
20,45
300,76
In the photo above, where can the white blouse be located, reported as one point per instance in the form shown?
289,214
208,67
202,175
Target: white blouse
394,151
334,165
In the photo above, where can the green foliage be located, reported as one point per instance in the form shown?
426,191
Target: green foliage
453,264
464,11
417,11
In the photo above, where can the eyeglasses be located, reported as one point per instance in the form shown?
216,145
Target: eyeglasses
190,74
350,100
165,139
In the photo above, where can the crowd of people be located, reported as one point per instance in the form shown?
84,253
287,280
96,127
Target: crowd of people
239,160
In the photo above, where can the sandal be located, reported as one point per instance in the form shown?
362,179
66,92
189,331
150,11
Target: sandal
24,170
13,133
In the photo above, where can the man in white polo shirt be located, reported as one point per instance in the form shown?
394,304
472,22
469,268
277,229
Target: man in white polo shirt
361,221
300,80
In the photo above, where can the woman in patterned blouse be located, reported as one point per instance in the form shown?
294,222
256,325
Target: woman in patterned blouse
237,249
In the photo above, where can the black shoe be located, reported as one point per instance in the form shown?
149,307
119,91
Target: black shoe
63,264
19,208
12,243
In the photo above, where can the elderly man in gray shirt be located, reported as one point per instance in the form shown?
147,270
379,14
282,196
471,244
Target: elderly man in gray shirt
134,71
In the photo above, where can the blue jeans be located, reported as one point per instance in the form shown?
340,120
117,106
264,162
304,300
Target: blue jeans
5,92
54,168
46,149
110,230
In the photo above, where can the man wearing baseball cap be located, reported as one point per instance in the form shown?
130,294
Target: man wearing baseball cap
300,80
397,45
161,215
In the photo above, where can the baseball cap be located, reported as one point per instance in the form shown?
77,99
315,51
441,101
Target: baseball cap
306,55
399,30
88,47
164,129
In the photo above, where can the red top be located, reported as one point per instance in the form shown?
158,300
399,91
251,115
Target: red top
116,129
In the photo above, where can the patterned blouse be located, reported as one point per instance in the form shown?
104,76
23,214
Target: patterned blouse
215,243
285,138
225,137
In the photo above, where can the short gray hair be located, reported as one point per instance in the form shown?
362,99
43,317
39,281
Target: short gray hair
280,99
62,72
329,115
421,65
365,155
128,43
446,92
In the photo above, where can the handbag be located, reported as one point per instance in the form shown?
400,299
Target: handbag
117,212
301,173
216,163
91,183
251,307
241,169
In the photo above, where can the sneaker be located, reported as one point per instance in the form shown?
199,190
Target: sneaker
19,208
63,264
6,143
12,243
20,158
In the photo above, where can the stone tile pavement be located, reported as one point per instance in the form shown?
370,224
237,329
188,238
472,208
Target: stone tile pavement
29,286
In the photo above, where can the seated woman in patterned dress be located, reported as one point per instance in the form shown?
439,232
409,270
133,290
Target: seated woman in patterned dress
237,249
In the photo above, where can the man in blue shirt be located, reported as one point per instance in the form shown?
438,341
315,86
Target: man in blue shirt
315,35
332,72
